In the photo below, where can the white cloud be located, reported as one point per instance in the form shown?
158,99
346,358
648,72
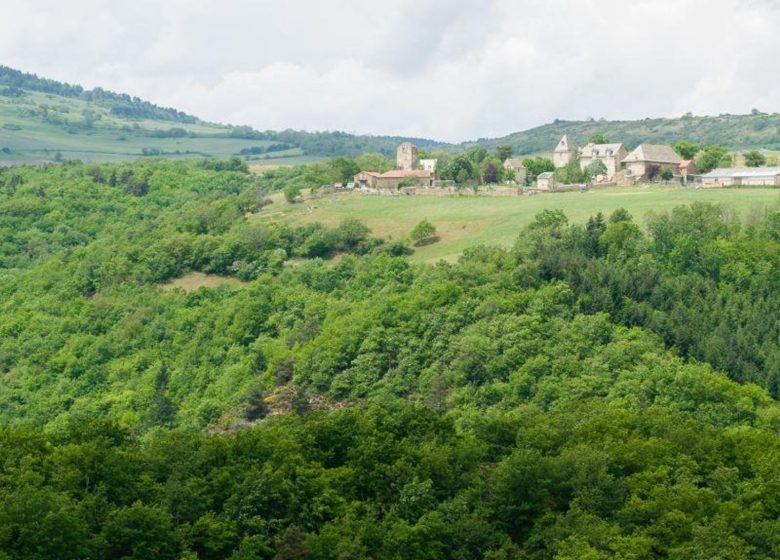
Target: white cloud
449,69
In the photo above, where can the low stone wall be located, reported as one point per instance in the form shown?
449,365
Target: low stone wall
449,191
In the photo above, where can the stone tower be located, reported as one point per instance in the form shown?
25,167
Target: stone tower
564,152
406,157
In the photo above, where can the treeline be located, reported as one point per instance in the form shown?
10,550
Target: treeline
120,104
333,143
756,130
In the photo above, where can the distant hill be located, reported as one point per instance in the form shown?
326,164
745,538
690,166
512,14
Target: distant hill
44,120
757,130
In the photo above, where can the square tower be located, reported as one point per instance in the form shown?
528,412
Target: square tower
406,157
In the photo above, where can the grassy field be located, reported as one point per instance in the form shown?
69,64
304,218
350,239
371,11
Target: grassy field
463,222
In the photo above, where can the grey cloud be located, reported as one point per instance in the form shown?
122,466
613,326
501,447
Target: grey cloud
451,69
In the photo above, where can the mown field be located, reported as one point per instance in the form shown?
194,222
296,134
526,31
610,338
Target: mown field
464,222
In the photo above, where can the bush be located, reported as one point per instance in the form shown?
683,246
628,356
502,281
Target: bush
423,233
291,193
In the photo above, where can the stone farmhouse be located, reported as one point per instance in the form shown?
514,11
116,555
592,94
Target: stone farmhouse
647,160
516,165
612,155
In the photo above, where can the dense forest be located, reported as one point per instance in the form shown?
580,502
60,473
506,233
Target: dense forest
597,391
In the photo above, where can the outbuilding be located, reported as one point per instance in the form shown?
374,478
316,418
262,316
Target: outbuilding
742,176
546,181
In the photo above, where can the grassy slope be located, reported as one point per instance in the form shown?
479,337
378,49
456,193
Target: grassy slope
463,222
39,140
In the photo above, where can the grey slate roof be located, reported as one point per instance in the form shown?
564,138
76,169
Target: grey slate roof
601,150
655,153
565,144
741,172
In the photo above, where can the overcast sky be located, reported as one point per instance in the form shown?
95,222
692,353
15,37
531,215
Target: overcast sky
446,69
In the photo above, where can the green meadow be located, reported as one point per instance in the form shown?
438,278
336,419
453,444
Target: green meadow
466,221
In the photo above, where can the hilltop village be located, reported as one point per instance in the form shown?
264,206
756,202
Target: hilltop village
596,164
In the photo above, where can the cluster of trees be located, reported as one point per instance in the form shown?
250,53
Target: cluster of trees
258,150
597,391
476,165
707,157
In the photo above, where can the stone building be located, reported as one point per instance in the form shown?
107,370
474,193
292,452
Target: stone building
688,170
564,152
742,176
647,160
428,165
366,179
612,155
516,165
546,181
406,157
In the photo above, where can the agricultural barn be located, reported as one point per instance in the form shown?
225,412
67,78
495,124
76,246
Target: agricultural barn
611,154
742,176
647,161
516,165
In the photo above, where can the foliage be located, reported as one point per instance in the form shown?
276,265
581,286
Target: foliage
754,158
572,173
504,152
536,166
711,157
596,168
423,232
667,174
686,149
595,391
598,139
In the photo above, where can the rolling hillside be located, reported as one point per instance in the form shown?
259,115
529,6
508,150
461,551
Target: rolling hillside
756,130
44,120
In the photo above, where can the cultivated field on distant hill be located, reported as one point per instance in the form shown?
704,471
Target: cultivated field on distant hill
465,221
37,127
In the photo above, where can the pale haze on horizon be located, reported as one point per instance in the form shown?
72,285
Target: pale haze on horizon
452,70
